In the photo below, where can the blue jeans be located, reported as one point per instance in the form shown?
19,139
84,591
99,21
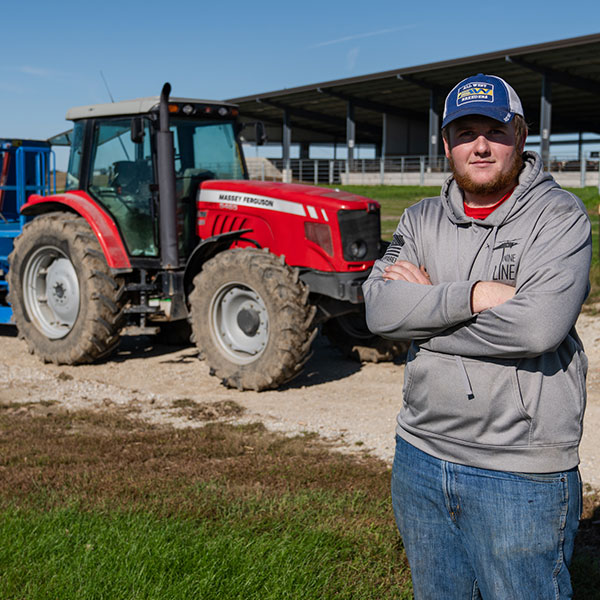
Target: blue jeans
473,533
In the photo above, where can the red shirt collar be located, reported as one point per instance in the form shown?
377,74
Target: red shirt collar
478,212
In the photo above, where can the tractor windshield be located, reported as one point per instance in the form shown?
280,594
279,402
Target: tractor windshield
206,149
203,150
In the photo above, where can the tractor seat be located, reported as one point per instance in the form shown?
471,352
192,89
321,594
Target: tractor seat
130,175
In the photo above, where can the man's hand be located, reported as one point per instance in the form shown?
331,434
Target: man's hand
402,270
488,294
485,294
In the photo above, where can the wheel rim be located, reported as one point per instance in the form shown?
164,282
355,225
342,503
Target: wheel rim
240,322
51,292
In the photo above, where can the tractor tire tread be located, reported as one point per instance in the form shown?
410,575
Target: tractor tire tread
291,327
95,333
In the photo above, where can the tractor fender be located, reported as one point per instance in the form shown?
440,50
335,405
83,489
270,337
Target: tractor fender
98,219
205,250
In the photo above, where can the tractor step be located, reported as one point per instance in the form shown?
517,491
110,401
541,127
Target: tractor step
137,330
140,287
141,309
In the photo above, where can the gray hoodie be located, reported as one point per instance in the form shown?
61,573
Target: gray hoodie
503,389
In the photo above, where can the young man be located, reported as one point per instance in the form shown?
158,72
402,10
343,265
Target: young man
487,280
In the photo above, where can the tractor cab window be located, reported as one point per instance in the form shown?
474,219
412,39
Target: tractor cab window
120,180
72,182
203,150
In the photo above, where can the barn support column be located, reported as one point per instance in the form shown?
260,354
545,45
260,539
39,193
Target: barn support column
286,143
434,130
350,133
545,120
383,136
305,150
383,149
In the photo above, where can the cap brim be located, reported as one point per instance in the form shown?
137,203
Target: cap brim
498,114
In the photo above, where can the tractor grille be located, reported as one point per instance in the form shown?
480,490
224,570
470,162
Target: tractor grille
360,229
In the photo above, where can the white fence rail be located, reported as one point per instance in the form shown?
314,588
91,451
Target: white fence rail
401,170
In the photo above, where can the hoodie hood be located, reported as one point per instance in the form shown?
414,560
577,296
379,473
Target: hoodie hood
533,182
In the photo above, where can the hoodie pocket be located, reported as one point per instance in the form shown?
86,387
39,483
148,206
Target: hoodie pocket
473,401
553,388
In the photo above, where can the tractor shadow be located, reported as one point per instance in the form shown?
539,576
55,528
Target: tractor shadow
140,346
143,346
326,364
8,331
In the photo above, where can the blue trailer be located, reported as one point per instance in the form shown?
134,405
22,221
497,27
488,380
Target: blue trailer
26,167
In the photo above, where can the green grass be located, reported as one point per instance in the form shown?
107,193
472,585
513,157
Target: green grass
69,553
100,507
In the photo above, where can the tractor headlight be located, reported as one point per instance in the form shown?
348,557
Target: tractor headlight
358,249
360,231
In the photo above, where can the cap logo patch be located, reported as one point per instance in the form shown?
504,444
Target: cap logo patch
482,92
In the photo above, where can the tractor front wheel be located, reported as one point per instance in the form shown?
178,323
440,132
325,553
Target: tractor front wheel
251,319
65,302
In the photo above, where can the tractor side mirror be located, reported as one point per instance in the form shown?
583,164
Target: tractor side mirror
137,130
260,133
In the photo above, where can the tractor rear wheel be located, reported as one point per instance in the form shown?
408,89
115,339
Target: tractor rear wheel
349,333
66,304
251,319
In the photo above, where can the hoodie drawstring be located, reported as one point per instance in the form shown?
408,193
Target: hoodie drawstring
465,376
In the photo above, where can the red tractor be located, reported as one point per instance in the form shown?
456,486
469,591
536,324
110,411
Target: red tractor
160,228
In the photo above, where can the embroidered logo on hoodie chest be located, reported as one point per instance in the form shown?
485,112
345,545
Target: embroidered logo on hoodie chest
505,260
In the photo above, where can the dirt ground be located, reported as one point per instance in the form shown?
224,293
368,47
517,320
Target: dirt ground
352,405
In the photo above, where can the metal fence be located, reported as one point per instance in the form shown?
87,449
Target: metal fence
397,170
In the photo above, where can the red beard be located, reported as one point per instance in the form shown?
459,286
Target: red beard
500,183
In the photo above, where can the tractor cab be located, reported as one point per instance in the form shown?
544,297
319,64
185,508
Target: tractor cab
116,159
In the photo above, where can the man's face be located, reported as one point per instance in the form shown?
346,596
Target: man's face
483,154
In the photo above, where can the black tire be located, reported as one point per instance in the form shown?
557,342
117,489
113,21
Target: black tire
349,333
66,304
251,319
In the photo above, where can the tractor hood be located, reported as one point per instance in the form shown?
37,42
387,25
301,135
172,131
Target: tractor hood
293,198
316,228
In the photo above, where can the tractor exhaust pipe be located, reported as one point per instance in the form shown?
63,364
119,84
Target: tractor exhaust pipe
165,155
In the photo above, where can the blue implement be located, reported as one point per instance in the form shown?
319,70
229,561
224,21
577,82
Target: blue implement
26,167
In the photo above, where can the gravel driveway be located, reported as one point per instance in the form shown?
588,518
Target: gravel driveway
352,405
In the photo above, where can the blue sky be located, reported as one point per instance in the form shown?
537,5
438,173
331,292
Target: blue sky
53,52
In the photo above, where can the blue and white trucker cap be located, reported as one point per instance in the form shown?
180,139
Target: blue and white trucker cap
485,95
